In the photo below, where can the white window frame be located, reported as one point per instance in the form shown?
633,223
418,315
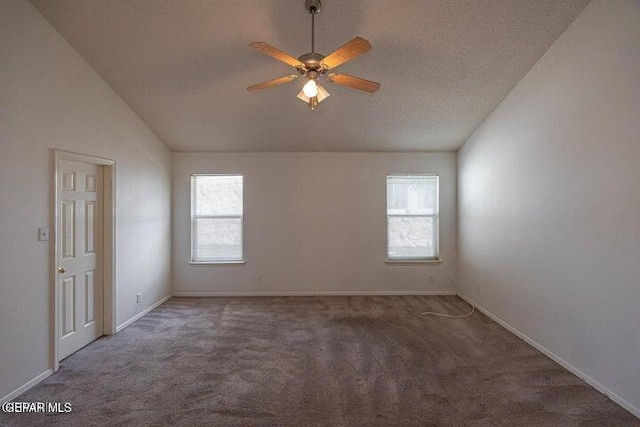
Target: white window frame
193,226
435,216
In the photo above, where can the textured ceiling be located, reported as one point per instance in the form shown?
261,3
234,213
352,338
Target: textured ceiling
183,65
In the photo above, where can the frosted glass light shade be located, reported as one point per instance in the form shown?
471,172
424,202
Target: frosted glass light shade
310,88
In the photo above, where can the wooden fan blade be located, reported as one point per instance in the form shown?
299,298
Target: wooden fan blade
274,82
357,46
354,82
267,49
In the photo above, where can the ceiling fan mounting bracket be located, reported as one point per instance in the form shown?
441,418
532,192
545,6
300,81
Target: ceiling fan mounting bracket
313,6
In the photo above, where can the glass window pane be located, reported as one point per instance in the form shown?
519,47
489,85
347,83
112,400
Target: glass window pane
411,237
416,195
217,239
217,195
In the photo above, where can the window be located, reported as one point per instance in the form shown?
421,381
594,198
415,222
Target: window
412,217
216,218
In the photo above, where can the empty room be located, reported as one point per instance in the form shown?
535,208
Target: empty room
320,213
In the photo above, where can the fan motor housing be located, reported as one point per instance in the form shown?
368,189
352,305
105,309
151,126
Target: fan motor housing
312,61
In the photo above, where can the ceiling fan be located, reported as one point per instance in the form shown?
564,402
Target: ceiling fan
313,65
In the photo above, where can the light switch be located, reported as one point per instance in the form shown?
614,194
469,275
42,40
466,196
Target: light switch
43,234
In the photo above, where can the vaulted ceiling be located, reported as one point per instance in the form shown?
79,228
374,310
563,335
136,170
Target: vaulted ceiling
183,65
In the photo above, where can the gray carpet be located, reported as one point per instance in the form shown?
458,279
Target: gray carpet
307,361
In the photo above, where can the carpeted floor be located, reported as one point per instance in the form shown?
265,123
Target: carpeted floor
307,361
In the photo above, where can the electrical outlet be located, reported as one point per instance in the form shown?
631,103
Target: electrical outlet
139,298
259,278
431,278
477,290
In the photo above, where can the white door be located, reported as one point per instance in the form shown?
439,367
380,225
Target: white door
79,240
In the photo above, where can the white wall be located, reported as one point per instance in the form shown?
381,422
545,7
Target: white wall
549,201
314,223
51,99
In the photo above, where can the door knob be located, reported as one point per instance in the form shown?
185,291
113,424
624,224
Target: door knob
61,270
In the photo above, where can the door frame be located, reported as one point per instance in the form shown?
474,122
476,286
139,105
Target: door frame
108,250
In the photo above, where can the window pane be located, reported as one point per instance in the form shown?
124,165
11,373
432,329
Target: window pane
217,195
411,237
217,239
412,195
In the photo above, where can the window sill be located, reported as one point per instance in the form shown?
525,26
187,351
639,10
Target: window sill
239,262
413,261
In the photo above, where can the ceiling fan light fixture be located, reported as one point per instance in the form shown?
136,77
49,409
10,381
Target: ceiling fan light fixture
310,88
313,101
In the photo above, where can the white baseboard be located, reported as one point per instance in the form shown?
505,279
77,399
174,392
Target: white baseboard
26,386
568,366
142,313
309,293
